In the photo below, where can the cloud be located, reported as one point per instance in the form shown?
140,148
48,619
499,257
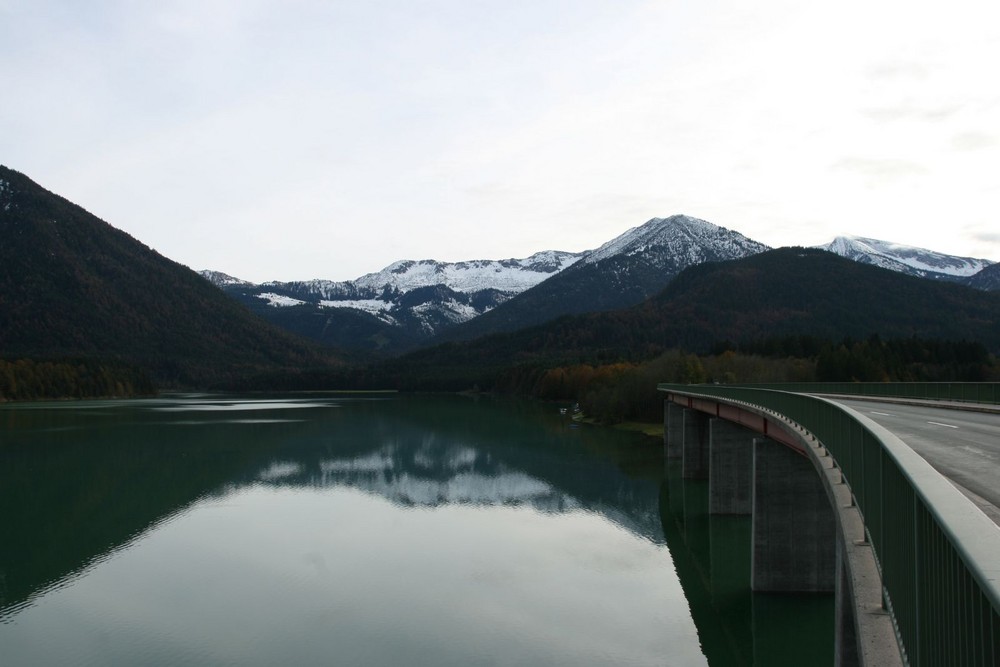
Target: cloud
882,168
930,114
898,70
986,237
225,132
970,141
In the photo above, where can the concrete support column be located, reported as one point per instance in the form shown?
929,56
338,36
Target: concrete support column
794,531
730,474
695,457
673,429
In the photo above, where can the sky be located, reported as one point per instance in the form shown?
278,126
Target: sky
299,139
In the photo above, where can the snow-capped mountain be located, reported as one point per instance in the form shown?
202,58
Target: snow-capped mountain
399,306
620,273
677,240
411,302
508,275
906,259
381,291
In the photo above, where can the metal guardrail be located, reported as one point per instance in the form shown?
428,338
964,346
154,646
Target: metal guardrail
968,392
939,556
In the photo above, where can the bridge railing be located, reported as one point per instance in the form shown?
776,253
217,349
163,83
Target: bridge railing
939,556
969,392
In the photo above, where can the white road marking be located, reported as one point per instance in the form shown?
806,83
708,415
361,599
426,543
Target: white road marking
884,414
940,424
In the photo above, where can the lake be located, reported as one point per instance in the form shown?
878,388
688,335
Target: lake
368,530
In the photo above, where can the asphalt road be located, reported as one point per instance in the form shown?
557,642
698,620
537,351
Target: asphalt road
963,446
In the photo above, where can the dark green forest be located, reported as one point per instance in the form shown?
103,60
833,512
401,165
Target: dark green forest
26,379
614,390
73,286
627,392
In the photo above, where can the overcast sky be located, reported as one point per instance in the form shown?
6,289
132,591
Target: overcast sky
296,139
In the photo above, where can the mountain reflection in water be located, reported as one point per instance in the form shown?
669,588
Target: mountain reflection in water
362,530
197,513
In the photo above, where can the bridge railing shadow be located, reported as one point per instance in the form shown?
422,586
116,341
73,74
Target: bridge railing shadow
938,555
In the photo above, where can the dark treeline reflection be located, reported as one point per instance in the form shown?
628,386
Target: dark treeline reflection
81,480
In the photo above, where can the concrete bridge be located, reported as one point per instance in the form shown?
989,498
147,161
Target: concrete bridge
841,504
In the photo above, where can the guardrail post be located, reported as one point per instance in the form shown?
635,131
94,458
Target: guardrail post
845,646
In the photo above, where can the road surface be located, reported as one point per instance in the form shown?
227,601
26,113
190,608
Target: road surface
963,446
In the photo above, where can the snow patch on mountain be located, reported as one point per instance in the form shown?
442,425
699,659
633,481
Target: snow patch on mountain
220,279
373,306
279,300
904,258
452,310
506,275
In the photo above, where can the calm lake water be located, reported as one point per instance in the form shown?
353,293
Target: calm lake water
368,530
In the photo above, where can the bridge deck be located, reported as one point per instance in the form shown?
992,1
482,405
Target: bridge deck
961,444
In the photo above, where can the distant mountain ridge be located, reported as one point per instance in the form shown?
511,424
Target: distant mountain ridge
622,272
906,259
782,292
404,304
412,303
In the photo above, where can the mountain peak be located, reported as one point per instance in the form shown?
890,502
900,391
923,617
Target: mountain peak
907,259
678,236
621,273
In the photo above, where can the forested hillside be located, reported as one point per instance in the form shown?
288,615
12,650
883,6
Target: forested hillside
789,292
26,380
72,286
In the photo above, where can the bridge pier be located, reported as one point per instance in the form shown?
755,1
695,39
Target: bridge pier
730,474
806,532
673,430
794,528
694,461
